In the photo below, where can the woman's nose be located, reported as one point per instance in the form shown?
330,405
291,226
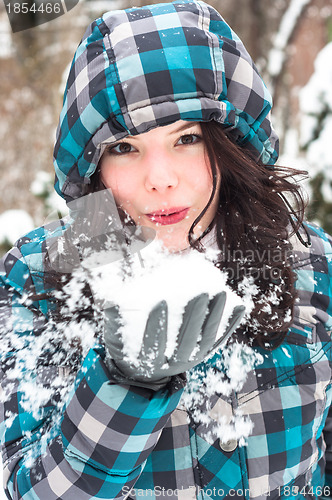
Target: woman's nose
160,172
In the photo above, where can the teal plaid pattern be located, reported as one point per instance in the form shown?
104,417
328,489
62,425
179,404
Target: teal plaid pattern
144,67
113,441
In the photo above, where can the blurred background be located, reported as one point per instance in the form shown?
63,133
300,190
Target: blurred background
290,40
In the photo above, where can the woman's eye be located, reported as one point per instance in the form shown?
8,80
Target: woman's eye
189,139
122,148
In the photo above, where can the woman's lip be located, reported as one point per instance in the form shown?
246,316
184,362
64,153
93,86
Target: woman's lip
167,211
169,216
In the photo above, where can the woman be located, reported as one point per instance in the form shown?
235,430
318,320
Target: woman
165,108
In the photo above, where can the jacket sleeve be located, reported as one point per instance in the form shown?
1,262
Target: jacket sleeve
92,444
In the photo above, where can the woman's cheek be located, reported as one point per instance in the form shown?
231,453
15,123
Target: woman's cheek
201,175
117,184
125,200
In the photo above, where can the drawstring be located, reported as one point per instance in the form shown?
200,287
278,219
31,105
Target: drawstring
305,243
297,232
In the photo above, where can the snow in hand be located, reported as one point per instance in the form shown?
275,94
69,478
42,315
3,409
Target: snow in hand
137,285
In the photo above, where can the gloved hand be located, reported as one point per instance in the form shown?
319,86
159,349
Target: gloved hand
196,339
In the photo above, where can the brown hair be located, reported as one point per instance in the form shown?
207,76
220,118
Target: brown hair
253,223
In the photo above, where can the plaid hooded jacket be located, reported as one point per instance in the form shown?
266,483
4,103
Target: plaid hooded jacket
102,440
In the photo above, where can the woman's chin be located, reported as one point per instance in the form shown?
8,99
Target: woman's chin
176,239
173,242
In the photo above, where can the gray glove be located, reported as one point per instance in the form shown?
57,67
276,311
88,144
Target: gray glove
196,339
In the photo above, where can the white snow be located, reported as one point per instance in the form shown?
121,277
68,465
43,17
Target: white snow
315,101
316,96
285,351
154,276
291,157
40,185
6,44
43,187
278,53
228,373
309,147
13,225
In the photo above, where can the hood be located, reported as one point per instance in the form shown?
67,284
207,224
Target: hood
139,68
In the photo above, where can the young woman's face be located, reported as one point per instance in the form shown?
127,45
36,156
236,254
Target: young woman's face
162,179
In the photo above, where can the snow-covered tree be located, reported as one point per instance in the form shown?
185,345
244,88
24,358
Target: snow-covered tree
316,136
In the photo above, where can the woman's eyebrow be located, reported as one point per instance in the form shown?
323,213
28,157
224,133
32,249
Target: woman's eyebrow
184,127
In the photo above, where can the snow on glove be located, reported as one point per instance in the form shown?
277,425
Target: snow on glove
196,339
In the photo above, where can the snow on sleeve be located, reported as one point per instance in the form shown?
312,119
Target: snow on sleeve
154,276
208,387
44,365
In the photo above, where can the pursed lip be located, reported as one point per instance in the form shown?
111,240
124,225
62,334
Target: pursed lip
167,211
168,215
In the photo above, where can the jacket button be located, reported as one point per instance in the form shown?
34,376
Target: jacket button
228,446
